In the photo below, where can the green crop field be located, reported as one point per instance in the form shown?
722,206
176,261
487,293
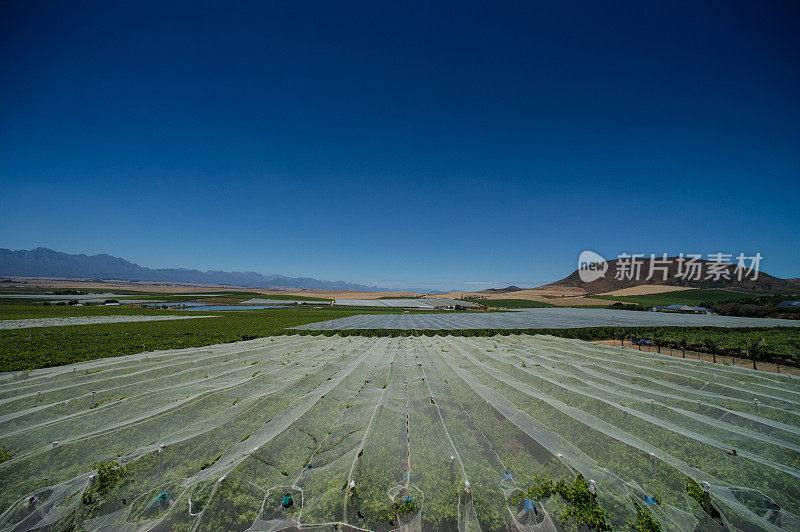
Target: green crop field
692,297
29,348
50,346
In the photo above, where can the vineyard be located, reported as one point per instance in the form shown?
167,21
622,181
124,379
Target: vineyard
413,433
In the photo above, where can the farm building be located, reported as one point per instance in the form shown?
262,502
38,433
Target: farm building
680,308
419,304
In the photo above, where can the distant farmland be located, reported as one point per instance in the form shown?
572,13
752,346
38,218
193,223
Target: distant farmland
691,297
511,303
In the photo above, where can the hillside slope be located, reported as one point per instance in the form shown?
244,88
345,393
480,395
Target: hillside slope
763,283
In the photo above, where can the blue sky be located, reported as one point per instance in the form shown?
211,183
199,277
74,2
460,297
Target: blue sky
401,145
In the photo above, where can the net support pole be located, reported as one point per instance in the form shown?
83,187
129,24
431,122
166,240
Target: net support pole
653,466
52,456
706,496
160,460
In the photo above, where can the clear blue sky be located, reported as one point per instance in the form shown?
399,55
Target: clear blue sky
401,144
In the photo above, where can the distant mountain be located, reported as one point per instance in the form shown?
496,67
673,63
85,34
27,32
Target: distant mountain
506,290
44,262
608,283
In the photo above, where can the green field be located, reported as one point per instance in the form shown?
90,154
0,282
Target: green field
52,346
692,297
32,348
458,429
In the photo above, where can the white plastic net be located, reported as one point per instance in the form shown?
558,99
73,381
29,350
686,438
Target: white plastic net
526,433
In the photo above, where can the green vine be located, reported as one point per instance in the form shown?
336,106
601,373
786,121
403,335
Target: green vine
582,508
109,474
400,508
694,491
5,454
644,521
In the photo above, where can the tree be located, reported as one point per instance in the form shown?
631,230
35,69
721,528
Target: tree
683,343
619,334
658,339
755,348
794,347
794,350
711,346
624,334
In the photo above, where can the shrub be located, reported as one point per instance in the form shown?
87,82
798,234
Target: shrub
5,454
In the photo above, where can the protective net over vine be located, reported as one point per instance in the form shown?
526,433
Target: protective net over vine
528,433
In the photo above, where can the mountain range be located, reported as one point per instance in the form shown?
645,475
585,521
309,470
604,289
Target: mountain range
44,262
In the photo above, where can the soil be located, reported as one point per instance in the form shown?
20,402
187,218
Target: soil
645,289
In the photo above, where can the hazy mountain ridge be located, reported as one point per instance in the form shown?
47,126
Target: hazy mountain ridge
44,262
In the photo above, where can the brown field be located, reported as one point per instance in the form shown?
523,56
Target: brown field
645,289
339,294
562,296
187,288
578,302
542,293
566,296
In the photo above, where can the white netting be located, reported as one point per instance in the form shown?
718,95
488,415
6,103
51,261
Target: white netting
421,433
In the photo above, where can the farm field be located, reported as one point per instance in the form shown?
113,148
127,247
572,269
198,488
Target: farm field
692,297
645,289
511,303
30,348
86,320
419,433
130,296
543,318
39,347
